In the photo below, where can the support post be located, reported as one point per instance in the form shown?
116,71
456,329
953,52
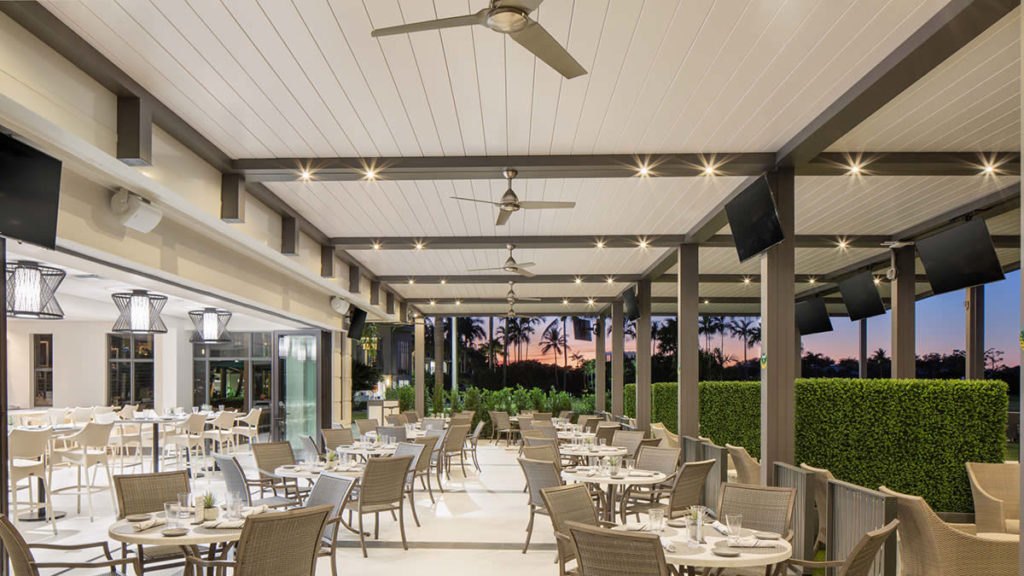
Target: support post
862,360
688,340
327,261
232,198
975,333
904,362
4,473
353,278
455,353
346,379
420,364
600,368
643,356
778,334
618,348
134,131
439,351
289,236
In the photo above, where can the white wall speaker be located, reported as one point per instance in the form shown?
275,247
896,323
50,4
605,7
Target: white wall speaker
340,305
134,211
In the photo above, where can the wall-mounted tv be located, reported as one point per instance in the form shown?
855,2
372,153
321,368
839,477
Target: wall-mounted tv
582,330
356,323
960,257
860,294
29,193
754,220
812,316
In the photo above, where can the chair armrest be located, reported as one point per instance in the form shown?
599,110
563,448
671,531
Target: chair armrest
988,511
606,524
969,554
815,563
134,561
85,545
191,560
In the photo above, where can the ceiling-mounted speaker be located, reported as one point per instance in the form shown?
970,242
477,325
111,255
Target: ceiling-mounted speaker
356,323
630,306
134,211
340,305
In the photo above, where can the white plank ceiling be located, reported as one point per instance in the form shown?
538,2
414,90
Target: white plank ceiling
304,78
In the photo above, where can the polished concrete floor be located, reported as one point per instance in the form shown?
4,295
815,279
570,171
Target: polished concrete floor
476,526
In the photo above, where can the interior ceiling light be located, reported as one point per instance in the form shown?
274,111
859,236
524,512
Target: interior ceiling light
877,280
443,281
211,326
139,313
433,302
565,301
590,301
419,245
370,174
610,280
812,281
988,169
709,170
412,281
643,171
32,291
305,175
579,280
599,244
746,279
376,245
707,301
644,244
854,169
458,302
843,244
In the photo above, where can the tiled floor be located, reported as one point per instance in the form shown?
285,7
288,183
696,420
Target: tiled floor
477,526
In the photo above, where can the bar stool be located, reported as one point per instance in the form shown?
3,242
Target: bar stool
87,452
27,460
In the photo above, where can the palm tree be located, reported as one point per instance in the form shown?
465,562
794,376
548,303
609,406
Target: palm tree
578,359
707,327
553,340
722,325
743,329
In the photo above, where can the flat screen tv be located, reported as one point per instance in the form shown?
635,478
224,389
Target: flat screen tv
29,193
812,316
629,304
356,323
960,257
581,329
861,296
754,220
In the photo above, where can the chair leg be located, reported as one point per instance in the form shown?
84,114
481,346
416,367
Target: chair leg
362,535
475,461
429,490
49,504
401,525
334,559
529,529
376,525
412,504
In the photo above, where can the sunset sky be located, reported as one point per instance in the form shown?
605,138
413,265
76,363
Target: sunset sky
940,328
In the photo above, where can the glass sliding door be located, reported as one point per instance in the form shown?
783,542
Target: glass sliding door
296,388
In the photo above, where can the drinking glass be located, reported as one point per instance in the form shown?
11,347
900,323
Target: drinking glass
734,522
234,505
656,519
195,409
171,510
220,407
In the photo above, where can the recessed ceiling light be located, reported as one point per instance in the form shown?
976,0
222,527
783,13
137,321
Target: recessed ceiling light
411,281
610,280
305,175
458,302
812,281
433,302
988,169
443,281
644,171
707,301
579,280
877,280
746,279
843,244
590,301
854,169
565,301
370,174
709,170
643,244
600,244
376,245
419,245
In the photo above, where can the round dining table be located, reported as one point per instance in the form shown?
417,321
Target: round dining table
215,538
591,450
311,473
368,451
591,475
681,551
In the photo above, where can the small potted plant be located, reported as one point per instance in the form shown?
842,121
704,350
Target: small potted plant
208,504
613,465
330,457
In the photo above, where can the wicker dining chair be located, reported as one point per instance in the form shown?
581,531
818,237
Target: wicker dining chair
687,490
236,482
279,543
860,559
411,416
190,441
436,455
569,503
501,425
664,460
540,474
333,491
366,425
817,481
996,490
628,439
311,448
23,562
269,456
423,465
381,490
395,432
764,508
146,494
87,450
416,451
455,446
669,440
473,441
334,437
605,431
930,546
748,469
603,552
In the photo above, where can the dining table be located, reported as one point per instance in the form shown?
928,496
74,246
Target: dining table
367,450
610,483
716,552
218,539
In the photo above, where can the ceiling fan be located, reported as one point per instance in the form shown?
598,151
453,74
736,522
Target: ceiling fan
511,17
510,203
512,298
510,265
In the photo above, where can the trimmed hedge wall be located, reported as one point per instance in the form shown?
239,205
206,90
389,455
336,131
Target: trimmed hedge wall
911,435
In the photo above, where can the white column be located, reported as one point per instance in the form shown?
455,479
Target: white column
904,361
643,356
618,366
419,363
600,374
455,354
346,377
688,341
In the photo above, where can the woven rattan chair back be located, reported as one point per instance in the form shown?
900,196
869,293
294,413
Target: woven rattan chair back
413,449
478,430
543,450
996,490
628,439
547,430
606,431
542,416
429,444
333,491
525,422
664,460
500,421
396,420
602,552
765,508
570,503
748,469
147,493
334,437
310,446
281,543
411,417
17,549
395,432
462,420
234,476
919,551
366,425
28,444
456,438
688,486
818,483
540,474
269,456
384,480
433,424
862,557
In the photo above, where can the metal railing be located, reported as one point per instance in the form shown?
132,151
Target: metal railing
718,475
852,511
805,514
691,448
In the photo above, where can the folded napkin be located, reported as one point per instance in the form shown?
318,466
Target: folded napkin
224,523
667,545
147,524
253,510
641,473
635,526
751,542
720,527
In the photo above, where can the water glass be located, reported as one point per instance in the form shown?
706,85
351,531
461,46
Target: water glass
734,522
656,519
195,409
234,505
171,513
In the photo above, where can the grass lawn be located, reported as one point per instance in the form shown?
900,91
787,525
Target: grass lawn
1012,451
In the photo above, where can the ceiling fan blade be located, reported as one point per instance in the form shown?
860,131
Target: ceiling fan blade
475,200
524,5
503,216
537,40
527,299
524,272
483,269
526,264
453,22
543,205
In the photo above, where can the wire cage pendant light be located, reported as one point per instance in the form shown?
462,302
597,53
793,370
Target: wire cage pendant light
32,291
139,313
211,326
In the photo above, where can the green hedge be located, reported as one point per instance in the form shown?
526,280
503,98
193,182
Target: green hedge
911,435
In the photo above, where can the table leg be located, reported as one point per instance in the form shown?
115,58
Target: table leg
40,514
156,447
609,512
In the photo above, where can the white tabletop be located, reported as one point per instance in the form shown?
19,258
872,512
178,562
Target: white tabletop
591,450
702,556
368,451
304,472
633,478
570,435
122,531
